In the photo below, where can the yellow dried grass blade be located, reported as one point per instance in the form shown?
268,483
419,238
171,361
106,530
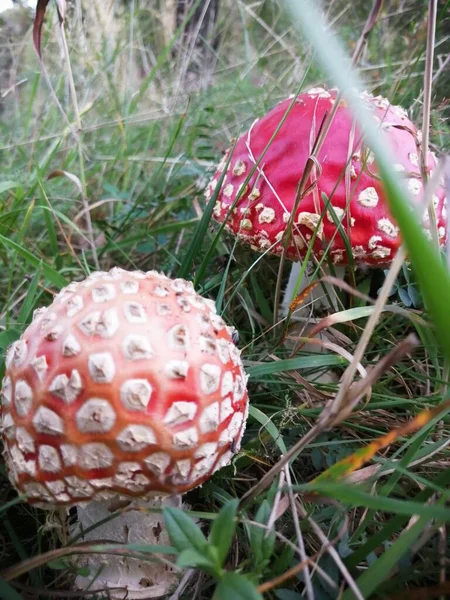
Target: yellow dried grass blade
363,455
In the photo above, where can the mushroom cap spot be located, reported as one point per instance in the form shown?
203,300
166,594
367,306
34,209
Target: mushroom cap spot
224,460
179,337
184,304
187,438
180,412
23,397
134,438
88,324
226,409
239,388
368,197
25,441
203,466
8,425
102,482
381,252
230,432
108,323
136,347
387,227
227,384
267,215
16,353
74,305
183,467
103,292
208,344
47,421
48,459
209,419
71,346
40,366
228,190
157,462
34,489
239,168
414,186
234,353
254,194
129,286
68,389
101,367
209,378
79,487
95,455
134,312
373,241
163,310
160,291
311,221
135,394
56,487
69,454
222,350
340,214
205,450
6,391
95,416
177,369
414,158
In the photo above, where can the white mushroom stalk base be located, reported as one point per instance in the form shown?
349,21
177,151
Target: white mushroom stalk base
126,577
316,300
317,297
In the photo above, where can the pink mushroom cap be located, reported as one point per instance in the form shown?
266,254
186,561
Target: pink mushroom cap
347,176
128,384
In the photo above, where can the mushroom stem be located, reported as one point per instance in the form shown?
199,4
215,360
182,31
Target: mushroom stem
123,575
317,298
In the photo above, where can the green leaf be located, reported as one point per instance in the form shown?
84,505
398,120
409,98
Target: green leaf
234,586
262,541
8,185
8,337
7,592
293,364
355,496
270,426
193,558
53,276
184,534
223,528
368,582
28,303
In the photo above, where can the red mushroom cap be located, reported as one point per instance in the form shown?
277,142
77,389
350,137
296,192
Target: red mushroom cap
347,176
128,383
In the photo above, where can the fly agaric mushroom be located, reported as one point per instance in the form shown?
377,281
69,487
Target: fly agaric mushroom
346,174
127,385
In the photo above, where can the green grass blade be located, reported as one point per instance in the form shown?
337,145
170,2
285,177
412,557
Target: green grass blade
53,276
293,364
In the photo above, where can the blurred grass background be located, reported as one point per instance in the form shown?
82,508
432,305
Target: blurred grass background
162,88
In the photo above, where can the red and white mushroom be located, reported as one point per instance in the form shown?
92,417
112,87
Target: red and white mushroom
127,385
346,174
